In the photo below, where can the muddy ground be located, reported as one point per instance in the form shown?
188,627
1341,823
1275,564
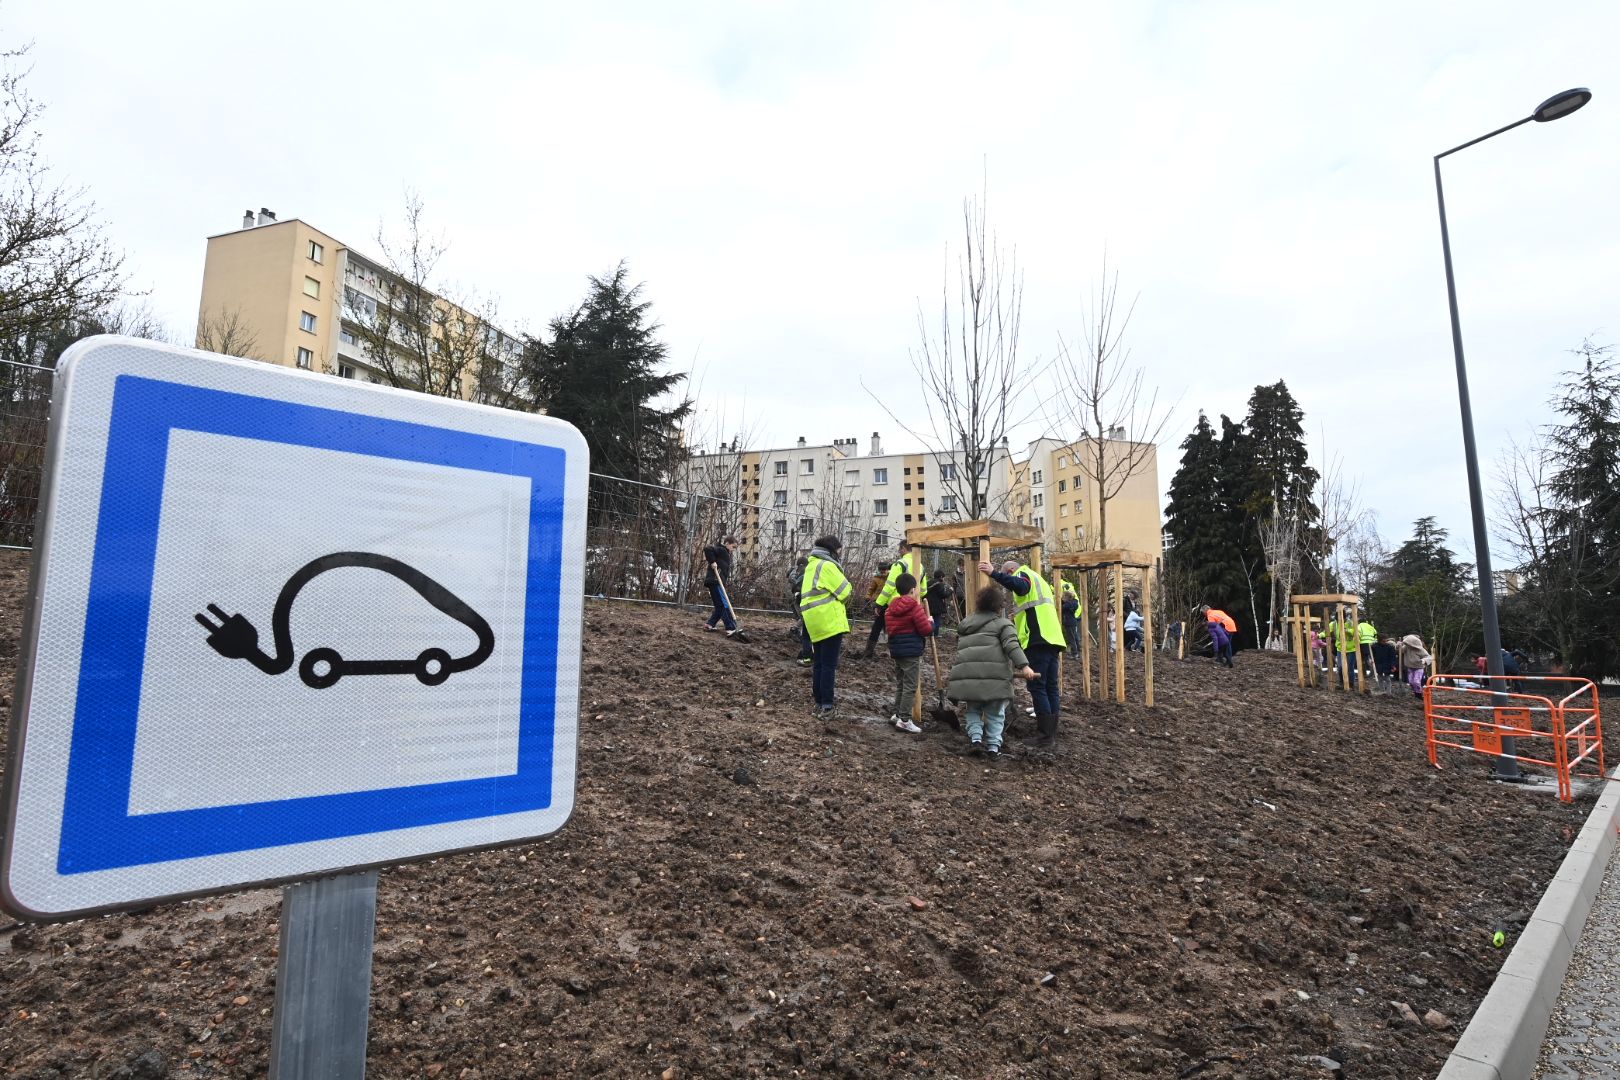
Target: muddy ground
1237,883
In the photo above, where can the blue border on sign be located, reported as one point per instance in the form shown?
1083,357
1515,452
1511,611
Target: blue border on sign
98,832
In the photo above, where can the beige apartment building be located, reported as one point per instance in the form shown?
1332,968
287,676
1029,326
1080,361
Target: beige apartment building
302,297
1053,490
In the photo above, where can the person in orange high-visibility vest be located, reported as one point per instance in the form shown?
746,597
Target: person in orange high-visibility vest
1221,628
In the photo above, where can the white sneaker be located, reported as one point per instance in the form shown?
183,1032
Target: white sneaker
894,718
907,726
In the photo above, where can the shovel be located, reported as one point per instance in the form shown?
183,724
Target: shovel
941,713
737,633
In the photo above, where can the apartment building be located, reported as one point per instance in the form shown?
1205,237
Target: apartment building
783,498
304,299
1054,489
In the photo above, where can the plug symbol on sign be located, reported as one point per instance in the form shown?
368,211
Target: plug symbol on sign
235,638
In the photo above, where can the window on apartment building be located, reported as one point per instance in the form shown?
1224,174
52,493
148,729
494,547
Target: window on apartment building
1063,462
907,470
853,508
921,518
780,529
347,337
807,524
919,470
947,471
880,476
908,519
779,498
1063,485
345,371
316,252
1038,476
920,485
1063,534
357,303
852,477
306,359
881,538
306,322
807,495
781,468
1038,500
1063,511
947,502
880,507
312,288
1078,504
809,465
1040,523
908,502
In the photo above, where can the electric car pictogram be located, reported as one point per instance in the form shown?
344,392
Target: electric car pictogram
235,638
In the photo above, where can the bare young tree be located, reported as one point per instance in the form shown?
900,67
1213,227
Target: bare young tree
973,381
1282,539
1342,515
55,263
1120,420
420,336
228,333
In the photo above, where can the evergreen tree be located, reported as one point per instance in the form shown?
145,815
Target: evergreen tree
1425,555
1422,589
1279,501
1201,551
600,371
1582,558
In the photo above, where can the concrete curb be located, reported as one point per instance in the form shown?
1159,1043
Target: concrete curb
1503,1040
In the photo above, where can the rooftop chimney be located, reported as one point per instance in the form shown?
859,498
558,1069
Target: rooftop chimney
801,440
266,216
877,445
247,219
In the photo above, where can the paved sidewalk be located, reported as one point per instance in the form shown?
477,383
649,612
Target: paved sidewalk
1583,1040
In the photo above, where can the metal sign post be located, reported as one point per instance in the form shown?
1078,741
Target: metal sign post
323,978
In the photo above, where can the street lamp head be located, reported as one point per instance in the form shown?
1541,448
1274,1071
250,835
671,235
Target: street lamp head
1560,105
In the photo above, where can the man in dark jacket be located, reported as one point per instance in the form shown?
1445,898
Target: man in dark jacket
716,575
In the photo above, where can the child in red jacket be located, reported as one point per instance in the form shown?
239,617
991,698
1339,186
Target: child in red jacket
908,624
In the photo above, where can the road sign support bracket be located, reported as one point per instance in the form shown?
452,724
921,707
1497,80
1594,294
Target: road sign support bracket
323,978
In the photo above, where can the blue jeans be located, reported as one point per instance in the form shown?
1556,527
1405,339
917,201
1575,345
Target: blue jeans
986,720
1045,691
722,610
824,672
805,652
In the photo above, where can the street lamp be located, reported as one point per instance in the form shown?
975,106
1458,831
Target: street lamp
1555,107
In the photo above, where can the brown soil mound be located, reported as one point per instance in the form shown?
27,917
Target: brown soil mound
1229,885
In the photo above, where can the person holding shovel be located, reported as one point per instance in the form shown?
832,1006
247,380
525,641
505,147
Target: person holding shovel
717,575
823,594
909,626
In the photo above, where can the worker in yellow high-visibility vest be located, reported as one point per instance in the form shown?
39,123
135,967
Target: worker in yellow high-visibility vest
824,592
1040,635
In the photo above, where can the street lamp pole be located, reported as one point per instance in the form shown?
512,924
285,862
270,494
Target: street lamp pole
1559,105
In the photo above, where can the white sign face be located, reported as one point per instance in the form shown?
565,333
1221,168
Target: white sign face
283,625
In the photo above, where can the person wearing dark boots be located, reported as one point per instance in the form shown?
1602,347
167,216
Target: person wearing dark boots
1040,634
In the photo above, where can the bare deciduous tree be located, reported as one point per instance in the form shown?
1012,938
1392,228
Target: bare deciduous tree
1119,419
973,382
228,333
55,264
421,336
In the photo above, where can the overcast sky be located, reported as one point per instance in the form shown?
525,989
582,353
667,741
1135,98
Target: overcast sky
788,181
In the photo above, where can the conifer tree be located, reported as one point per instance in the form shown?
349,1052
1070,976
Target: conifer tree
600,371
1201,551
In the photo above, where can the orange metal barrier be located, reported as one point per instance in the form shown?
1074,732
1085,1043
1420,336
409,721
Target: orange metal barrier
1570,728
